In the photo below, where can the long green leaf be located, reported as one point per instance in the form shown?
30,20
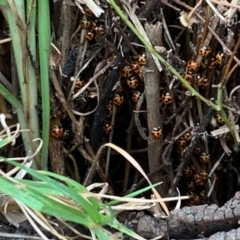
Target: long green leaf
44,53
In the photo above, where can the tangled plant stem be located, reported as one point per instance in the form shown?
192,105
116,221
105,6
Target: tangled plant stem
217,107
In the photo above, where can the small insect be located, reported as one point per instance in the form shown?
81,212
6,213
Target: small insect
100,30
85,23
110,107
156,132
181,142
108,128
88,12
197,150
57,132
136,95
202,82
219,57
66,134
90,35
133,82
202,194
79,84
187,136
167,98
200,177
62,112
91,94
194,199
204,51
219,167
188,172
118,99
218,60
219,119
192,65
137,69
127,72
119,87
142,60
181,151
191,186
204,157
188,76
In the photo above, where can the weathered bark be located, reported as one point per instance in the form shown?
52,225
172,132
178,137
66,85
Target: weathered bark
196,222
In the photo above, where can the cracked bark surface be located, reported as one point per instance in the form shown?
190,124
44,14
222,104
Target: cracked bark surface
197,222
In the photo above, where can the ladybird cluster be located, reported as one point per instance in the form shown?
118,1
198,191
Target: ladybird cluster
182,143
93,27
195,175
193,71
196,180
131,77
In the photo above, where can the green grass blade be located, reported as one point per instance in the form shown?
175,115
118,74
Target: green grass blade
44,52
41,202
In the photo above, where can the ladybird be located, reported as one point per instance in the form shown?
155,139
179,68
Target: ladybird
200,177
119,87
194,199
202,194
88,12
142,60
127,72
204,174
187,136
213,63
204,157
137,69
197,150
79,84
118,99
167,98
204,51
192,65
202,82
191,186
133,82
110,107
57,132
188,172
91,94
218,60
100,30
62,113
108,128
181,142
219,119
89,35
181,151
219,167
66,134
188,76
85,23
156,132
219,57
136,95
